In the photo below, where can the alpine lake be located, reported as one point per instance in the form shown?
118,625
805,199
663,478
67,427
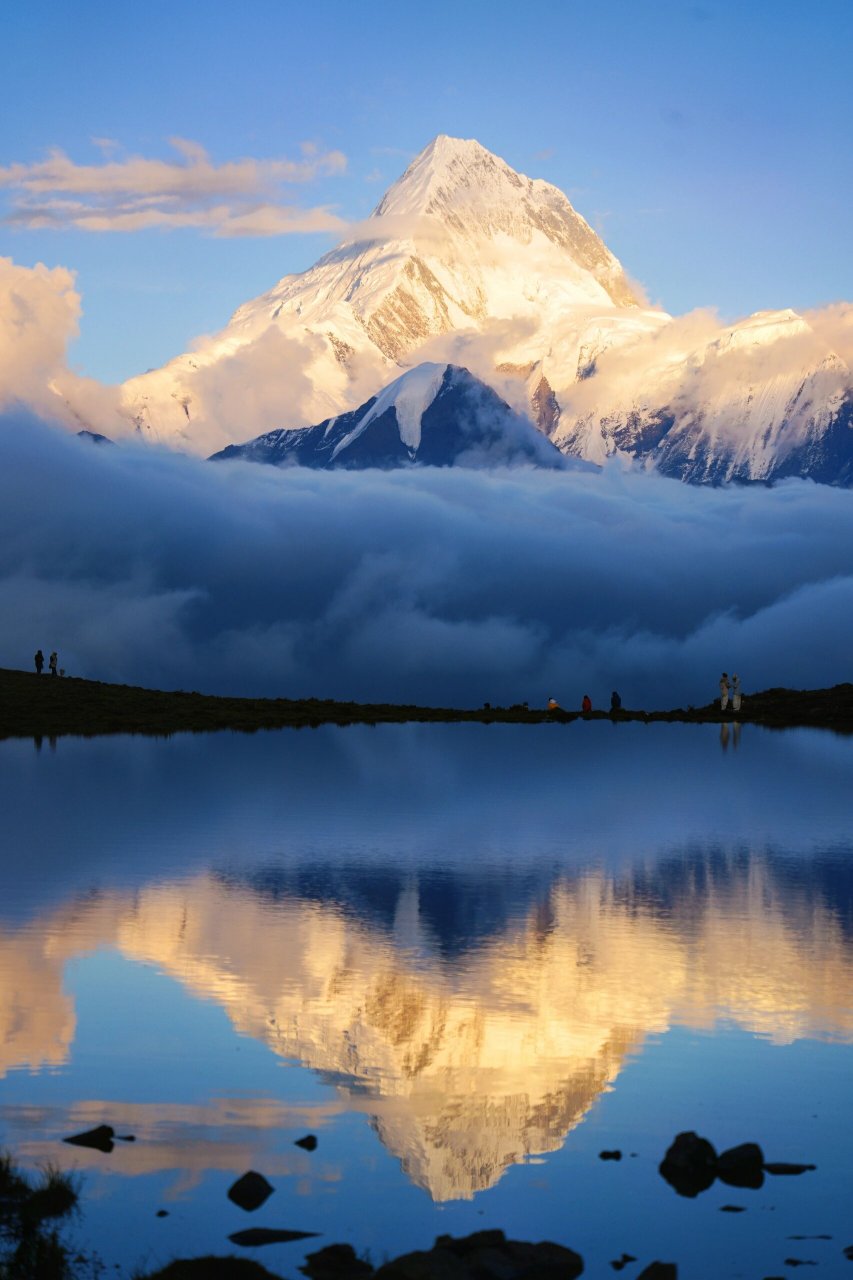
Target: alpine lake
468,959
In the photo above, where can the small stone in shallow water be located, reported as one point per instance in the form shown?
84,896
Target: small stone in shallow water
610,1155
742,1166
98,1139
308,1143
732,1208
659,1271
782,1168
253,1237
162,1213
621,1263
250,1191
690,1164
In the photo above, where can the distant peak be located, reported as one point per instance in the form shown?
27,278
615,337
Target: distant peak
447,167
445,152
444,145
475,197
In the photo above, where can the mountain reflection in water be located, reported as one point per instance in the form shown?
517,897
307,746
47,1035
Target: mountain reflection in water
475,1018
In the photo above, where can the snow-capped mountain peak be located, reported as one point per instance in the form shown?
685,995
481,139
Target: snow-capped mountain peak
436,415
466,262
459,242
473,195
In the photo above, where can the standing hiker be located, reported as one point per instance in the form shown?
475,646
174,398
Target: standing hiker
735,692
724,691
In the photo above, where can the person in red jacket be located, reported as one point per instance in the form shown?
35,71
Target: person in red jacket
586,705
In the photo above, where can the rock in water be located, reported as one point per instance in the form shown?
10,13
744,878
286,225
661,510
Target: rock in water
659,1271
484,1254
250,1191
253,1237
690,1164
98,1139
621,1263
308,1143
335,1262
742,1166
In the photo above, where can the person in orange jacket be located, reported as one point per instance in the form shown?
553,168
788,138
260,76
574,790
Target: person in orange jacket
586,705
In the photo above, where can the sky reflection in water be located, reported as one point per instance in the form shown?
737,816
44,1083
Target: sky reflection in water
479,954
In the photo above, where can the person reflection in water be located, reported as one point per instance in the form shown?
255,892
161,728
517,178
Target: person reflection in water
724,735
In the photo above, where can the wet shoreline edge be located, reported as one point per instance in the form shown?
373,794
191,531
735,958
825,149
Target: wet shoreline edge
40,705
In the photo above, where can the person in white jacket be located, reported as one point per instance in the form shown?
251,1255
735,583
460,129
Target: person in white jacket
724,691
736,692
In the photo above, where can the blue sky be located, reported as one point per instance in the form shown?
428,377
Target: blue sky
708,142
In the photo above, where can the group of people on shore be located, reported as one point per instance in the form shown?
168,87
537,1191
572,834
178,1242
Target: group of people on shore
586,703
52,663
726,688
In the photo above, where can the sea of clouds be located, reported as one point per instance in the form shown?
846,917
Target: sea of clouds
436,586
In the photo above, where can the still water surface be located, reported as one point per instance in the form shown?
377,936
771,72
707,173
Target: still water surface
468,958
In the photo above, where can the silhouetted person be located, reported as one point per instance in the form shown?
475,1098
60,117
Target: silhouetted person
39,661
735,692
52,663
724,691
615,701
586,705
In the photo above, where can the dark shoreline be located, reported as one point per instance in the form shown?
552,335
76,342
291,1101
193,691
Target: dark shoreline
47,706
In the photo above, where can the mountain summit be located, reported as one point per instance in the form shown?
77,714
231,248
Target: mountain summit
459,239
465,262
460,243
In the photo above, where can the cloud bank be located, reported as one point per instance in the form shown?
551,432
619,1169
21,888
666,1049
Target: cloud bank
135,193
39,316
428,585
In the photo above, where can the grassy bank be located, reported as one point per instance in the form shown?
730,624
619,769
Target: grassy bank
48,706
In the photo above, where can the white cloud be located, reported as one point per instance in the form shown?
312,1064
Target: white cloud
443,587
39,316
238,197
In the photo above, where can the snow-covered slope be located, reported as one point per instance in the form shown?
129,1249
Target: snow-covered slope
461,243
466,262
758,401
434,415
